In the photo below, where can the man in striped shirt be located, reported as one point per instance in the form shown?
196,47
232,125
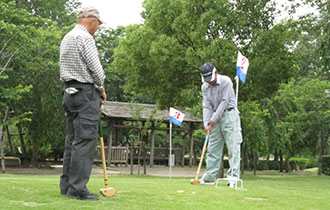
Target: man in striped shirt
83,77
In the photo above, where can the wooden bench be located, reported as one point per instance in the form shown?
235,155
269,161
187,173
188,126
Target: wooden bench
161,154
119,155
11,161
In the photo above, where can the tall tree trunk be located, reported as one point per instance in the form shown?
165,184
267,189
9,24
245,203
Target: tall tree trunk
21,138
247,160
9,140
255,164
276,156
2,130
281,162
35,155
321,151
191,151
288,167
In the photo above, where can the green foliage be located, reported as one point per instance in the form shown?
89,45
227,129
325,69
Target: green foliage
178,36
303,112
271,62
107,40
272,165
59,11
303,163
29,58
254,128
325,161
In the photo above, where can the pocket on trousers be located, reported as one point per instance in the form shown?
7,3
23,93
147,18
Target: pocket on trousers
88,126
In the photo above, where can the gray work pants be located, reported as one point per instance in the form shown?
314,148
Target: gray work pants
82,113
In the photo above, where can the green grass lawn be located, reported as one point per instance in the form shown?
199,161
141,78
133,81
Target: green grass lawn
268,190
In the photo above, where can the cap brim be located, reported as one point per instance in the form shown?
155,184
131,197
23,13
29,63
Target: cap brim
207,78
101,21
210,77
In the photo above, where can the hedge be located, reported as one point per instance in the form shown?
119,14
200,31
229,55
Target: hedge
303,163
325,161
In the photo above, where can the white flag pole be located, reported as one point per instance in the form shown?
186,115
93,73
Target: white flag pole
170,158
234,144
237,83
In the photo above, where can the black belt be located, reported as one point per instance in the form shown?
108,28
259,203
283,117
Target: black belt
74,82
229,109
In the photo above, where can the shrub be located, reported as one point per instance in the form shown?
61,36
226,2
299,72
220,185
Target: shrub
273,165
325,161
298,163
312,163
262,165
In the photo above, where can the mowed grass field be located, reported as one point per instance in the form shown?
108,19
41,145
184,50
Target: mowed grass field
268,190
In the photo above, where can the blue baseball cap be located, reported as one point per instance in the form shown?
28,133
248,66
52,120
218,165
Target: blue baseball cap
208,72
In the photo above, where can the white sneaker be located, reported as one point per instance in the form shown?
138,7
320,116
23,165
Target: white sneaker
203,182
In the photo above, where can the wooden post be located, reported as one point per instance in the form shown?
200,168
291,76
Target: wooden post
167,142
115,134
110,142
140,148
127,150
182,163
144,142
152,149
132,159
191,152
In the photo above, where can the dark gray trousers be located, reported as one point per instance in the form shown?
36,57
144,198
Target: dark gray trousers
82,113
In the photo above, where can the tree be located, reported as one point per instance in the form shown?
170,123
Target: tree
178,36
312,49
33,48
255,142
272,63
303,117
62,12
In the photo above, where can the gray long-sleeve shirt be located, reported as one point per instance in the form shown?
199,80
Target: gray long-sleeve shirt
217,99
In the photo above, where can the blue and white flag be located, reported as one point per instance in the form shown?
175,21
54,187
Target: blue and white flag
176,117
242,66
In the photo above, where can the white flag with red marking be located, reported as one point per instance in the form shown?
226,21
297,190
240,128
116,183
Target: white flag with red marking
176,117
242,66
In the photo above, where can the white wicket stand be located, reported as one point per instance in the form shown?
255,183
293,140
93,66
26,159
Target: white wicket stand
233,182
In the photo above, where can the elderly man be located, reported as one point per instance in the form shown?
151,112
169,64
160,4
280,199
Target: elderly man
221,121
83,77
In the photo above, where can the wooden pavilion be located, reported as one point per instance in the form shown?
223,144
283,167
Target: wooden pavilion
116,113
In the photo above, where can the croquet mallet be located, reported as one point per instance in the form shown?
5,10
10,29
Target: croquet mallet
107,191
196,181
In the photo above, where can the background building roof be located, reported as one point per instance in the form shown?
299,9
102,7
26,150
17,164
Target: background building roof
133,111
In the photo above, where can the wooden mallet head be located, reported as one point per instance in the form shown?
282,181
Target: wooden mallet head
108,192
194,182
